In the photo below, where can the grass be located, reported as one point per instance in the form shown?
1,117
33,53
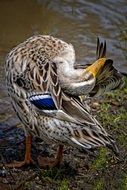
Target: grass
99,185
100,162
124,182
64,185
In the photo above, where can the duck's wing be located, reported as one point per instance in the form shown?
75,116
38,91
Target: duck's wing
52,97
84,130
90,133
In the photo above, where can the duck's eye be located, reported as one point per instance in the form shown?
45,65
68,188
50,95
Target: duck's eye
20,82
23,82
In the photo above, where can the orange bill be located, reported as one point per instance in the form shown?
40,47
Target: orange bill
96,66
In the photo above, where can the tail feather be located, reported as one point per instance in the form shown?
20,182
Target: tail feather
108,79
101,49
88,139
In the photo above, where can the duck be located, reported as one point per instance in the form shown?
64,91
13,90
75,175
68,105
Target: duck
46,90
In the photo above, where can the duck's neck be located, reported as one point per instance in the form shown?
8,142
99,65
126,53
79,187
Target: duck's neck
76,82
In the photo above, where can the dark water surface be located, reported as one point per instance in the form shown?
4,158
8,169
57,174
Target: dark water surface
76,21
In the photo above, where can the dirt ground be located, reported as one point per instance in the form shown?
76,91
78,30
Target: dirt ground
78,171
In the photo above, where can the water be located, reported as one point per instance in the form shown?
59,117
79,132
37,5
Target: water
76,21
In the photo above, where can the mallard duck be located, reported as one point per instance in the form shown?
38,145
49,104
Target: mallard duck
45,89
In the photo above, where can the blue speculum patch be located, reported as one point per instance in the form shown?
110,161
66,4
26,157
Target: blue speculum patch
44,102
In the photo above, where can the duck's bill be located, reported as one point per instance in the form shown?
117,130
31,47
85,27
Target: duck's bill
95,68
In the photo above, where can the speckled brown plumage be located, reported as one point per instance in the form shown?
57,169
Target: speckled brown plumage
43,66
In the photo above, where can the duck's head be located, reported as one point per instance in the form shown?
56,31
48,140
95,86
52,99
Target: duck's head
78,81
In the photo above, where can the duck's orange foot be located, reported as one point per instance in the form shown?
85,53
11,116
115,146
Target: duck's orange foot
48,162
51,162
19,164
27,161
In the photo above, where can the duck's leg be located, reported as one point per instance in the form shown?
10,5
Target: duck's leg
27,160
50,163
